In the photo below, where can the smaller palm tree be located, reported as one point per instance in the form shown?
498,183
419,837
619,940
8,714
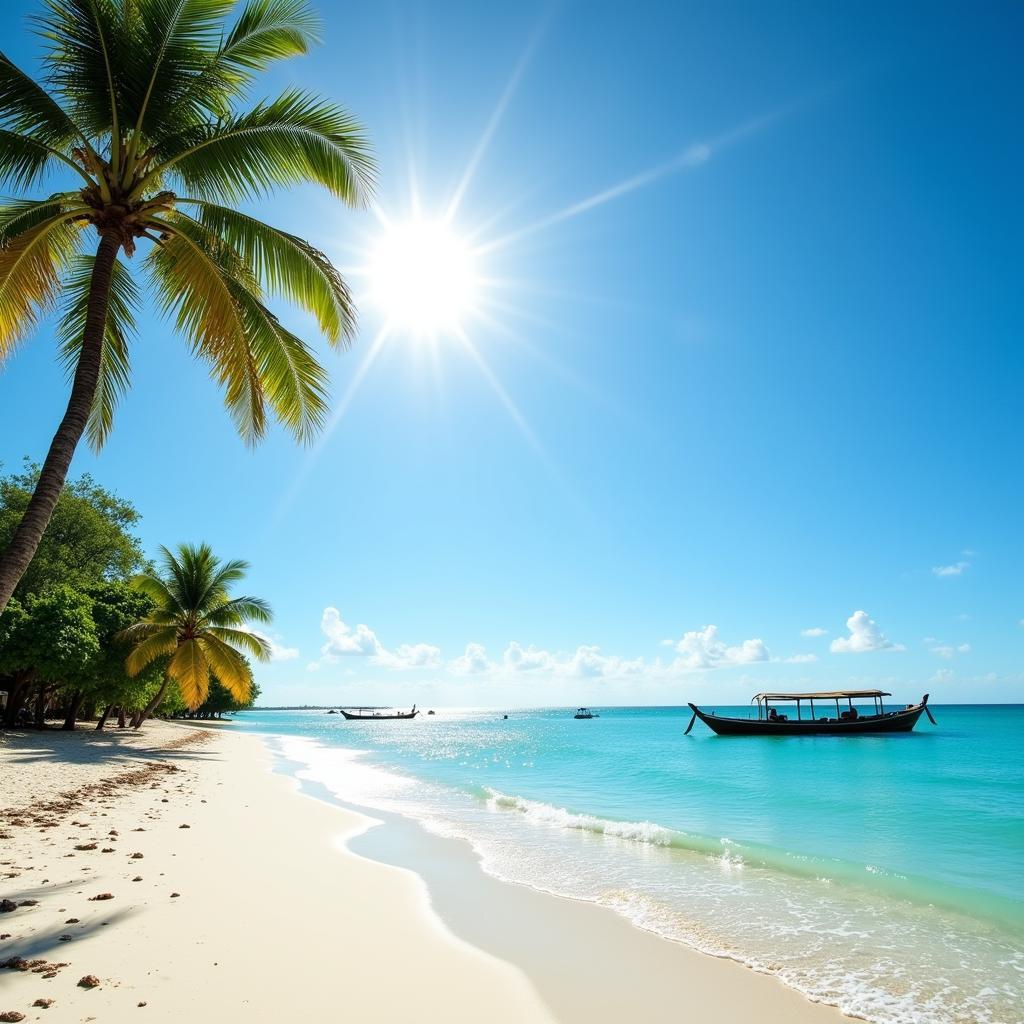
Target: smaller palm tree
197,626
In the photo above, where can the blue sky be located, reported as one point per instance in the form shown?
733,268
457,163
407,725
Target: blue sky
747,363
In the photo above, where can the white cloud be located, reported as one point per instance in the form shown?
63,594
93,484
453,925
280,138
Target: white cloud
864,636
586,662
408,656
589,662
345,641
800,659
473,662
701,648
948,651
956,568
526,659
813,631
943,675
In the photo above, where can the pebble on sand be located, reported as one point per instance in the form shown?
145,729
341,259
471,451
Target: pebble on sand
88,981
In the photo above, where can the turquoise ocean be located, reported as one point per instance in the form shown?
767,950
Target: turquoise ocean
884,875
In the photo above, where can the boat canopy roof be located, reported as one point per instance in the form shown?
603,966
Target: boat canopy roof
824,695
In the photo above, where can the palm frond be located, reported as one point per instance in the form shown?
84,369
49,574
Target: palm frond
216,581
28,109
161,590
293,381
21,215
194,286
190,669
230,668
255,644
174,39
268,31
148,645
90,51
192,567
286,265
293,140
31,264
238,611
25,161
115,363
265,31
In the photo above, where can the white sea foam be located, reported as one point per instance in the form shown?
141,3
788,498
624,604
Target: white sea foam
547,814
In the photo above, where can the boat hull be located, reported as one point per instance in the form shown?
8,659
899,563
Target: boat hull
378,718
895,721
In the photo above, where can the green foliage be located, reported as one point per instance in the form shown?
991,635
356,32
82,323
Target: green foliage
15,655
115,607
89,539
60,641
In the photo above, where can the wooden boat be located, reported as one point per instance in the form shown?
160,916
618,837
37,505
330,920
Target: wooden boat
808,721
377,714
585,713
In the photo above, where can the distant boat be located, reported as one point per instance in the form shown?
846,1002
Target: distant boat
377,714
585,713
848,721
431,711
332,712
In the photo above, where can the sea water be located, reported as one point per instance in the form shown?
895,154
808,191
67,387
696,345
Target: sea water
884,874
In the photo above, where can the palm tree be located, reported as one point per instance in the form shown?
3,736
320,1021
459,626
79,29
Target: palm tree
197,626
142,114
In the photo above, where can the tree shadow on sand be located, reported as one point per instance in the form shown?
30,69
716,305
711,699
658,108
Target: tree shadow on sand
47,943
92,747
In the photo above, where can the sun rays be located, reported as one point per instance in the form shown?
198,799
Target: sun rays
429,278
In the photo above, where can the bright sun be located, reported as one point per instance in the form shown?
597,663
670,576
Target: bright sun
422,277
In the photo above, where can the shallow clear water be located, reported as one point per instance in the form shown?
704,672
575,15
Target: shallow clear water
882,874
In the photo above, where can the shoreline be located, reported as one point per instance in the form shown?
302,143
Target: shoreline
393,921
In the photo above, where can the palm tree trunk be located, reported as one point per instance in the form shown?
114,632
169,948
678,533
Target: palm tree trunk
103,718
15,560
18,693
42,702
77,699
152,705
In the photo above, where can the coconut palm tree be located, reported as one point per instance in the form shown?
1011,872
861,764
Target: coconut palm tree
144,116
197,626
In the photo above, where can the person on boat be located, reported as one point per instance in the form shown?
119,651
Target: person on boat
773,715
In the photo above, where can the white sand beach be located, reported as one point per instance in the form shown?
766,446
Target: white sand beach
246,901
